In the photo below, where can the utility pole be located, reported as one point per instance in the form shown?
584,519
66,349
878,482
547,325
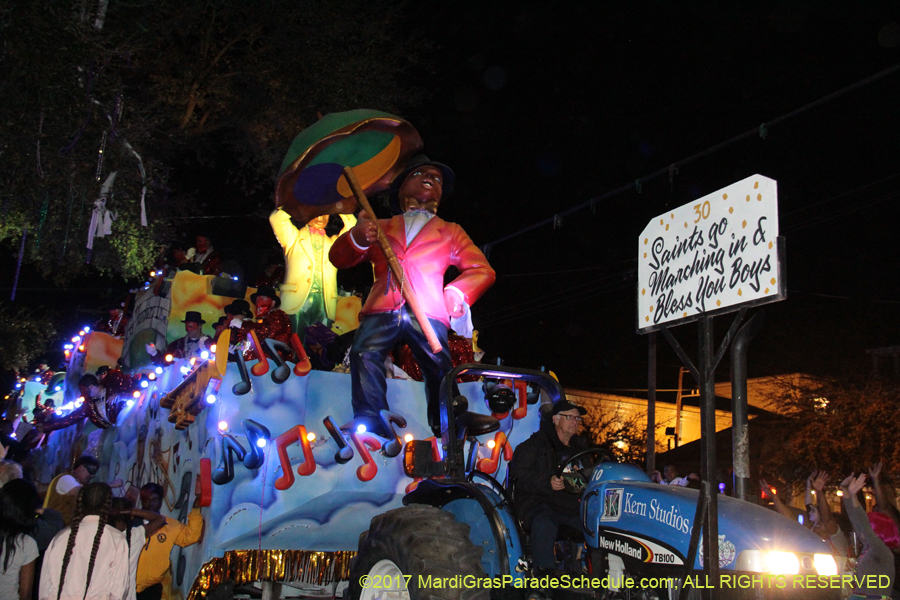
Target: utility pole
681,372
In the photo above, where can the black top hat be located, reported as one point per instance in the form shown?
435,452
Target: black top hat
222,322
269,292
192,316
239,307
420,160
566,405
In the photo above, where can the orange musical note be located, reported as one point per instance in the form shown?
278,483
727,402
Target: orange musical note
307,467
522,410
262,367
303,366
365,442
489,465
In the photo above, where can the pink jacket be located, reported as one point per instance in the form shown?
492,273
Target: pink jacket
437,246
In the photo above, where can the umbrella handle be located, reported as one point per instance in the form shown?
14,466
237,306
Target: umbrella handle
394,265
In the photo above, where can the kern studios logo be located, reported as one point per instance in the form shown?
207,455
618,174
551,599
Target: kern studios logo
612,504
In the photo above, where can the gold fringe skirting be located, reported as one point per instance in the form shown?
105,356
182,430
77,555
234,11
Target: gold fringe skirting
246,566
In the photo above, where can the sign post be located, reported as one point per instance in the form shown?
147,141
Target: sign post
718,254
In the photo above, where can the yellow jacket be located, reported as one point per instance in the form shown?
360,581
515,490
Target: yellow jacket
154,560
298,263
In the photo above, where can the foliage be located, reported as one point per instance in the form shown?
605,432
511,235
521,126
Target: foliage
837,426
623,434
162,84
24,336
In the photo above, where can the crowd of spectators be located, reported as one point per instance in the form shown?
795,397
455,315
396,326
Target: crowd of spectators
81,541
864,543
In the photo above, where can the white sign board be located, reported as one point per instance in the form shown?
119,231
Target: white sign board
710,256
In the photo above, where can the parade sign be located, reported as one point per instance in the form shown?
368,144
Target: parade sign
711,256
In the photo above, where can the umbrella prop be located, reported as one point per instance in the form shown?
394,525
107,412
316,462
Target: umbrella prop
375,144
395,266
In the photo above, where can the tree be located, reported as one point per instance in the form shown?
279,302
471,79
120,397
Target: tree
142,88
623,434
24,336
837,426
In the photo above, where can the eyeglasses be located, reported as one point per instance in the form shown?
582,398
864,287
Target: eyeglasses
573,418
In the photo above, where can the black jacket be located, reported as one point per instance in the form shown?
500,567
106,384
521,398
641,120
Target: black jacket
534,462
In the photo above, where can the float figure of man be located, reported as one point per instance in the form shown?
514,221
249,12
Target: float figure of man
426,246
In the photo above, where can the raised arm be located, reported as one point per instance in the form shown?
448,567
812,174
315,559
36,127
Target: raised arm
779,505
857,514
884,501
155,521
818,480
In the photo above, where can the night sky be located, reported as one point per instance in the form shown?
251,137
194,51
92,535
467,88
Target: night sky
541,106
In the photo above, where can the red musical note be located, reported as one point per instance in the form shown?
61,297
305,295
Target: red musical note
489,465
262,367
204,482
307,467
303,366
365,442
522,389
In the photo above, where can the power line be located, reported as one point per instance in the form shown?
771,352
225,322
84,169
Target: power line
603,286
669,170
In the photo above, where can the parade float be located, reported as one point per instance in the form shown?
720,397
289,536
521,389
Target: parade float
300,499
286,481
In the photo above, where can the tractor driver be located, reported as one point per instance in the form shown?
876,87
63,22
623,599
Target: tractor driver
542,501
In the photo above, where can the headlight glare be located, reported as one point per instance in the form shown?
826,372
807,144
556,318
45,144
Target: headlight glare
782,563
825,564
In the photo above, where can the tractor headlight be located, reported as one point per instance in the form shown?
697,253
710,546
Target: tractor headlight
771,561
782,563
825,564
778,562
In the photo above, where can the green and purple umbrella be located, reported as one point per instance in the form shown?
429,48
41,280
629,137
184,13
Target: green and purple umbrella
376,145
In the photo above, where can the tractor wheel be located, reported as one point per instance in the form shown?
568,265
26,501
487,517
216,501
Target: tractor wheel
417,552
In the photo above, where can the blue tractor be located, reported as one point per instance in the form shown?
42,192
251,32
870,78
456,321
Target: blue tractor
458,535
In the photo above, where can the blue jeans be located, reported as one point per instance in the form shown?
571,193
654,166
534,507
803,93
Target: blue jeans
377,335
544,531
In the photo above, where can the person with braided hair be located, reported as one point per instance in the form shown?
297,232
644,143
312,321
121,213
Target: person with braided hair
89,559
136,534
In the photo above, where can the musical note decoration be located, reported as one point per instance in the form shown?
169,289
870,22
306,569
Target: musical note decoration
307,467
230,448
256,454
393,446
345,452
489,465
365,442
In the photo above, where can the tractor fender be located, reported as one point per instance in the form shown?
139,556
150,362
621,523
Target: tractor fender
507,537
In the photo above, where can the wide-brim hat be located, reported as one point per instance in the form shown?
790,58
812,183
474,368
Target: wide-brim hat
192,316
420,160
239,307
269,292
566,405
